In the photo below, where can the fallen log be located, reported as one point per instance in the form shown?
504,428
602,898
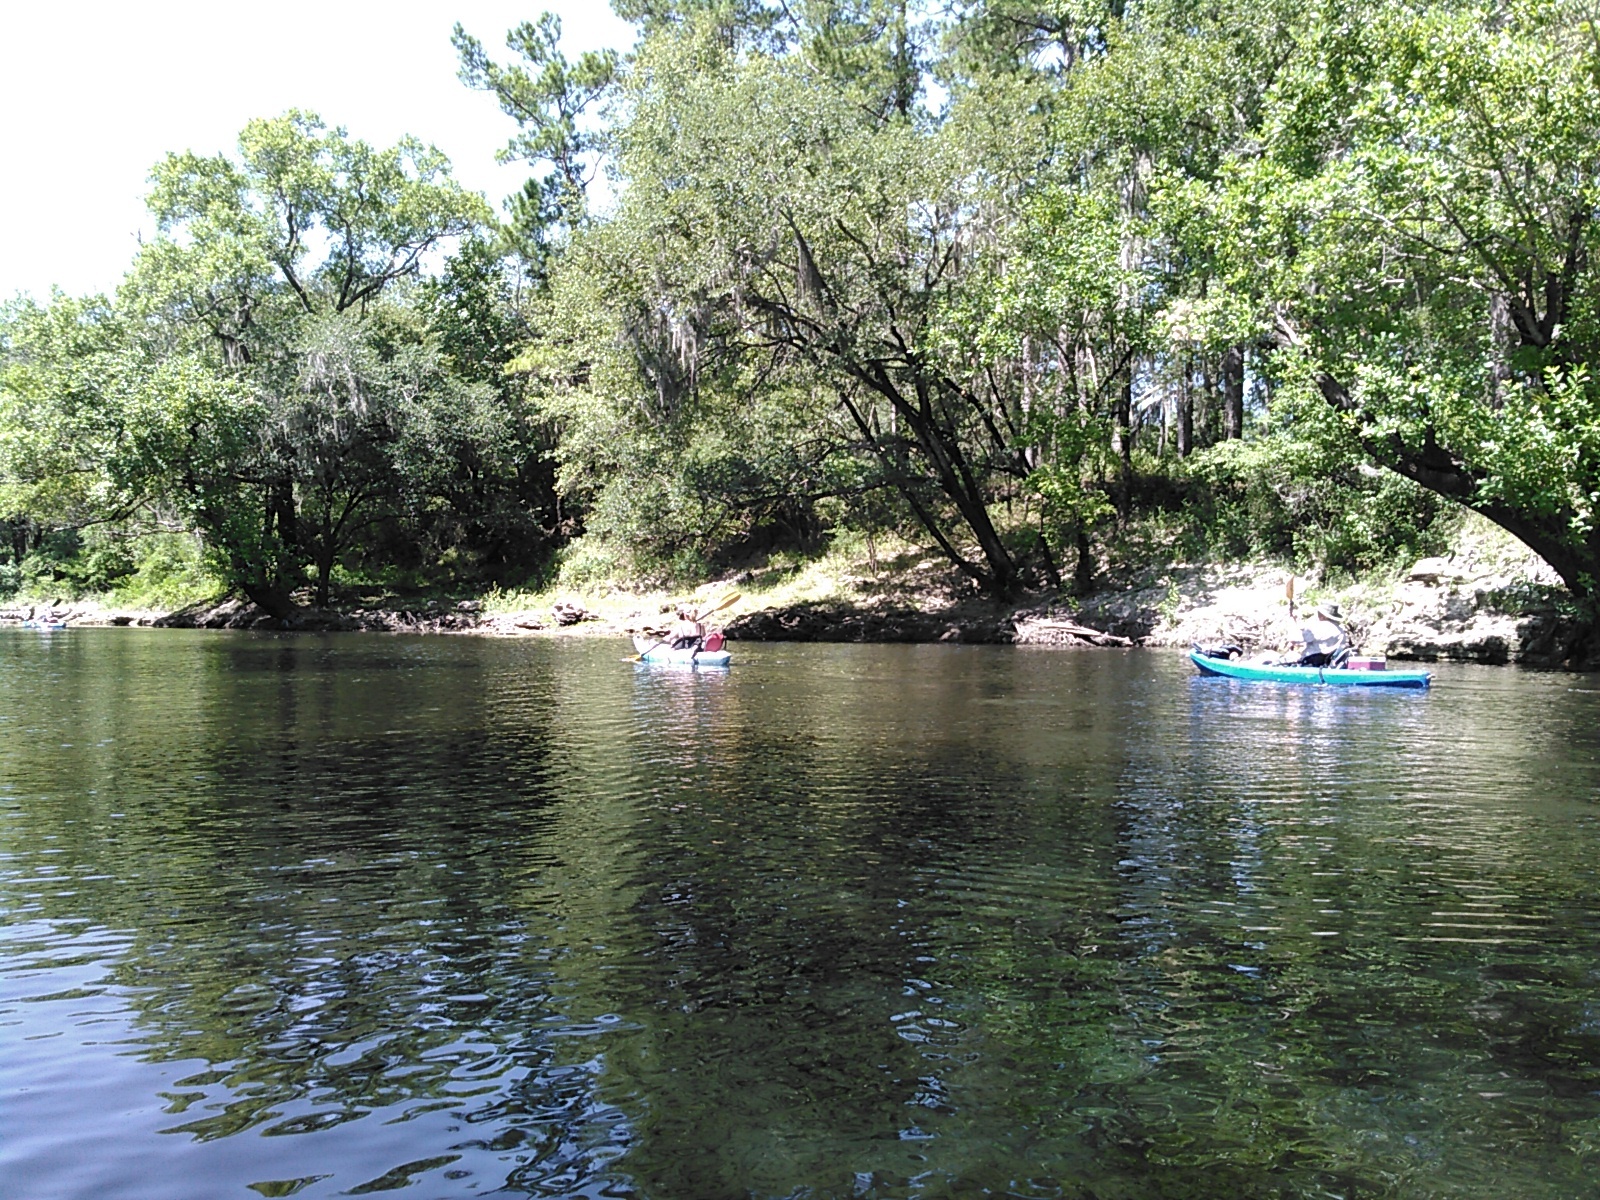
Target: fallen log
1058,631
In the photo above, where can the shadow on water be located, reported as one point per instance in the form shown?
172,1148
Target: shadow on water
321,916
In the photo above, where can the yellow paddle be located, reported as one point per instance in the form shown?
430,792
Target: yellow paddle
730,598
1288,591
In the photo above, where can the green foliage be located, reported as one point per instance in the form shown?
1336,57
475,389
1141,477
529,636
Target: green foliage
168,572
274,269
269,376
306,219
1420,226
1261,278
1292,497
491,467
549,97
781,251
590,561
95,423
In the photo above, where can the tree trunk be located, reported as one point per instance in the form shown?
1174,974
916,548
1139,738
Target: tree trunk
270,599
1122,443
281,512
1502,341
999,574
324,579
1083,572
1233,391
1186,410
1548,534
957,481
1132,204
1047,558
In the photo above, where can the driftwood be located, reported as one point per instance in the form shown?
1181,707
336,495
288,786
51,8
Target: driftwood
1058,631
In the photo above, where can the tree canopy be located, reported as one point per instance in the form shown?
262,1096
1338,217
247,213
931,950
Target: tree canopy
1025,283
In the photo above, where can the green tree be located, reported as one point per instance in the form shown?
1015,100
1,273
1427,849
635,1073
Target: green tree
1419,229
267,269
266,374
103,423
773,228
553,100
493,496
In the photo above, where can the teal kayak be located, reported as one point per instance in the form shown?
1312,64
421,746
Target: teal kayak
651,651
1234,668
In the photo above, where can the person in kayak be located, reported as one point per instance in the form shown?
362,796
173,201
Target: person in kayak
688,631
1324,636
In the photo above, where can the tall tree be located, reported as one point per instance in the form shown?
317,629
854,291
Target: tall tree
266,268
554,101
769,219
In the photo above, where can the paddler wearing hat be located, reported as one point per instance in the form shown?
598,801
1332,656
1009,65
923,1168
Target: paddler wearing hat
1323,635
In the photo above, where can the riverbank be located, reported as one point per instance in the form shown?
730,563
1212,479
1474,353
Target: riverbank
1489,601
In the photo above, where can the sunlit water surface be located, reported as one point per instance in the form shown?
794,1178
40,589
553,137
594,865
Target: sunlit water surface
288,915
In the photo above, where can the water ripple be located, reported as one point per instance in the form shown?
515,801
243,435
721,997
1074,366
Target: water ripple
332,916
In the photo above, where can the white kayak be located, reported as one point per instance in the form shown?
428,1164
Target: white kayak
652,651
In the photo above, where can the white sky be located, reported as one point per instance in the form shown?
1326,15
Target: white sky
93,94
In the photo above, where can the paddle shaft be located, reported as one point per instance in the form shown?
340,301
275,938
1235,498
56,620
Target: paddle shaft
730,598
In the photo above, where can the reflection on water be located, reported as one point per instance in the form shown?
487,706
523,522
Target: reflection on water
329,916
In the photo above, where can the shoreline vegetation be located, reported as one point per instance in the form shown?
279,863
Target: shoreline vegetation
987,323
1488,600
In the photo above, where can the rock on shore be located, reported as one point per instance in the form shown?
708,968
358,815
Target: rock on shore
833,622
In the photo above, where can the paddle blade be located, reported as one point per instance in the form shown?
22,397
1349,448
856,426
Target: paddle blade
730,599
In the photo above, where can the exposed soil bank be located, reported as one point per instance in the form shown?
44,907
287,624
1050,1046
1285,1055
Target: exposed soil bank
1489,602
1436,612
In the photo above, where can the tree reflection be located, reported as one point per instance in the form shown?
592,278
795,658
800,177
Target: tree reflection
878,921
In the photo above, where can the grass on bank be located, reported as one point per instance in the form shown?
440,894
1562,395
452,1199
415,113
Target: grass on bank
896,572
852,569
160,572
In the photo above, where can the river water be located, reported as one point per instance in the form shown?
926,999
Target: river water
293,915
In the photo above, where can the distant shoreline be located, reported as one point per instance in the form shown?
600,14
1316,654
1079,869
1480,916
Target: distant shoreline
1441,610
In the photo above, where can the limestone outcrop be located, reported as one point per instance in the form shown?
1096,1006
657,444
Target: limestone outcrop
1491,601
